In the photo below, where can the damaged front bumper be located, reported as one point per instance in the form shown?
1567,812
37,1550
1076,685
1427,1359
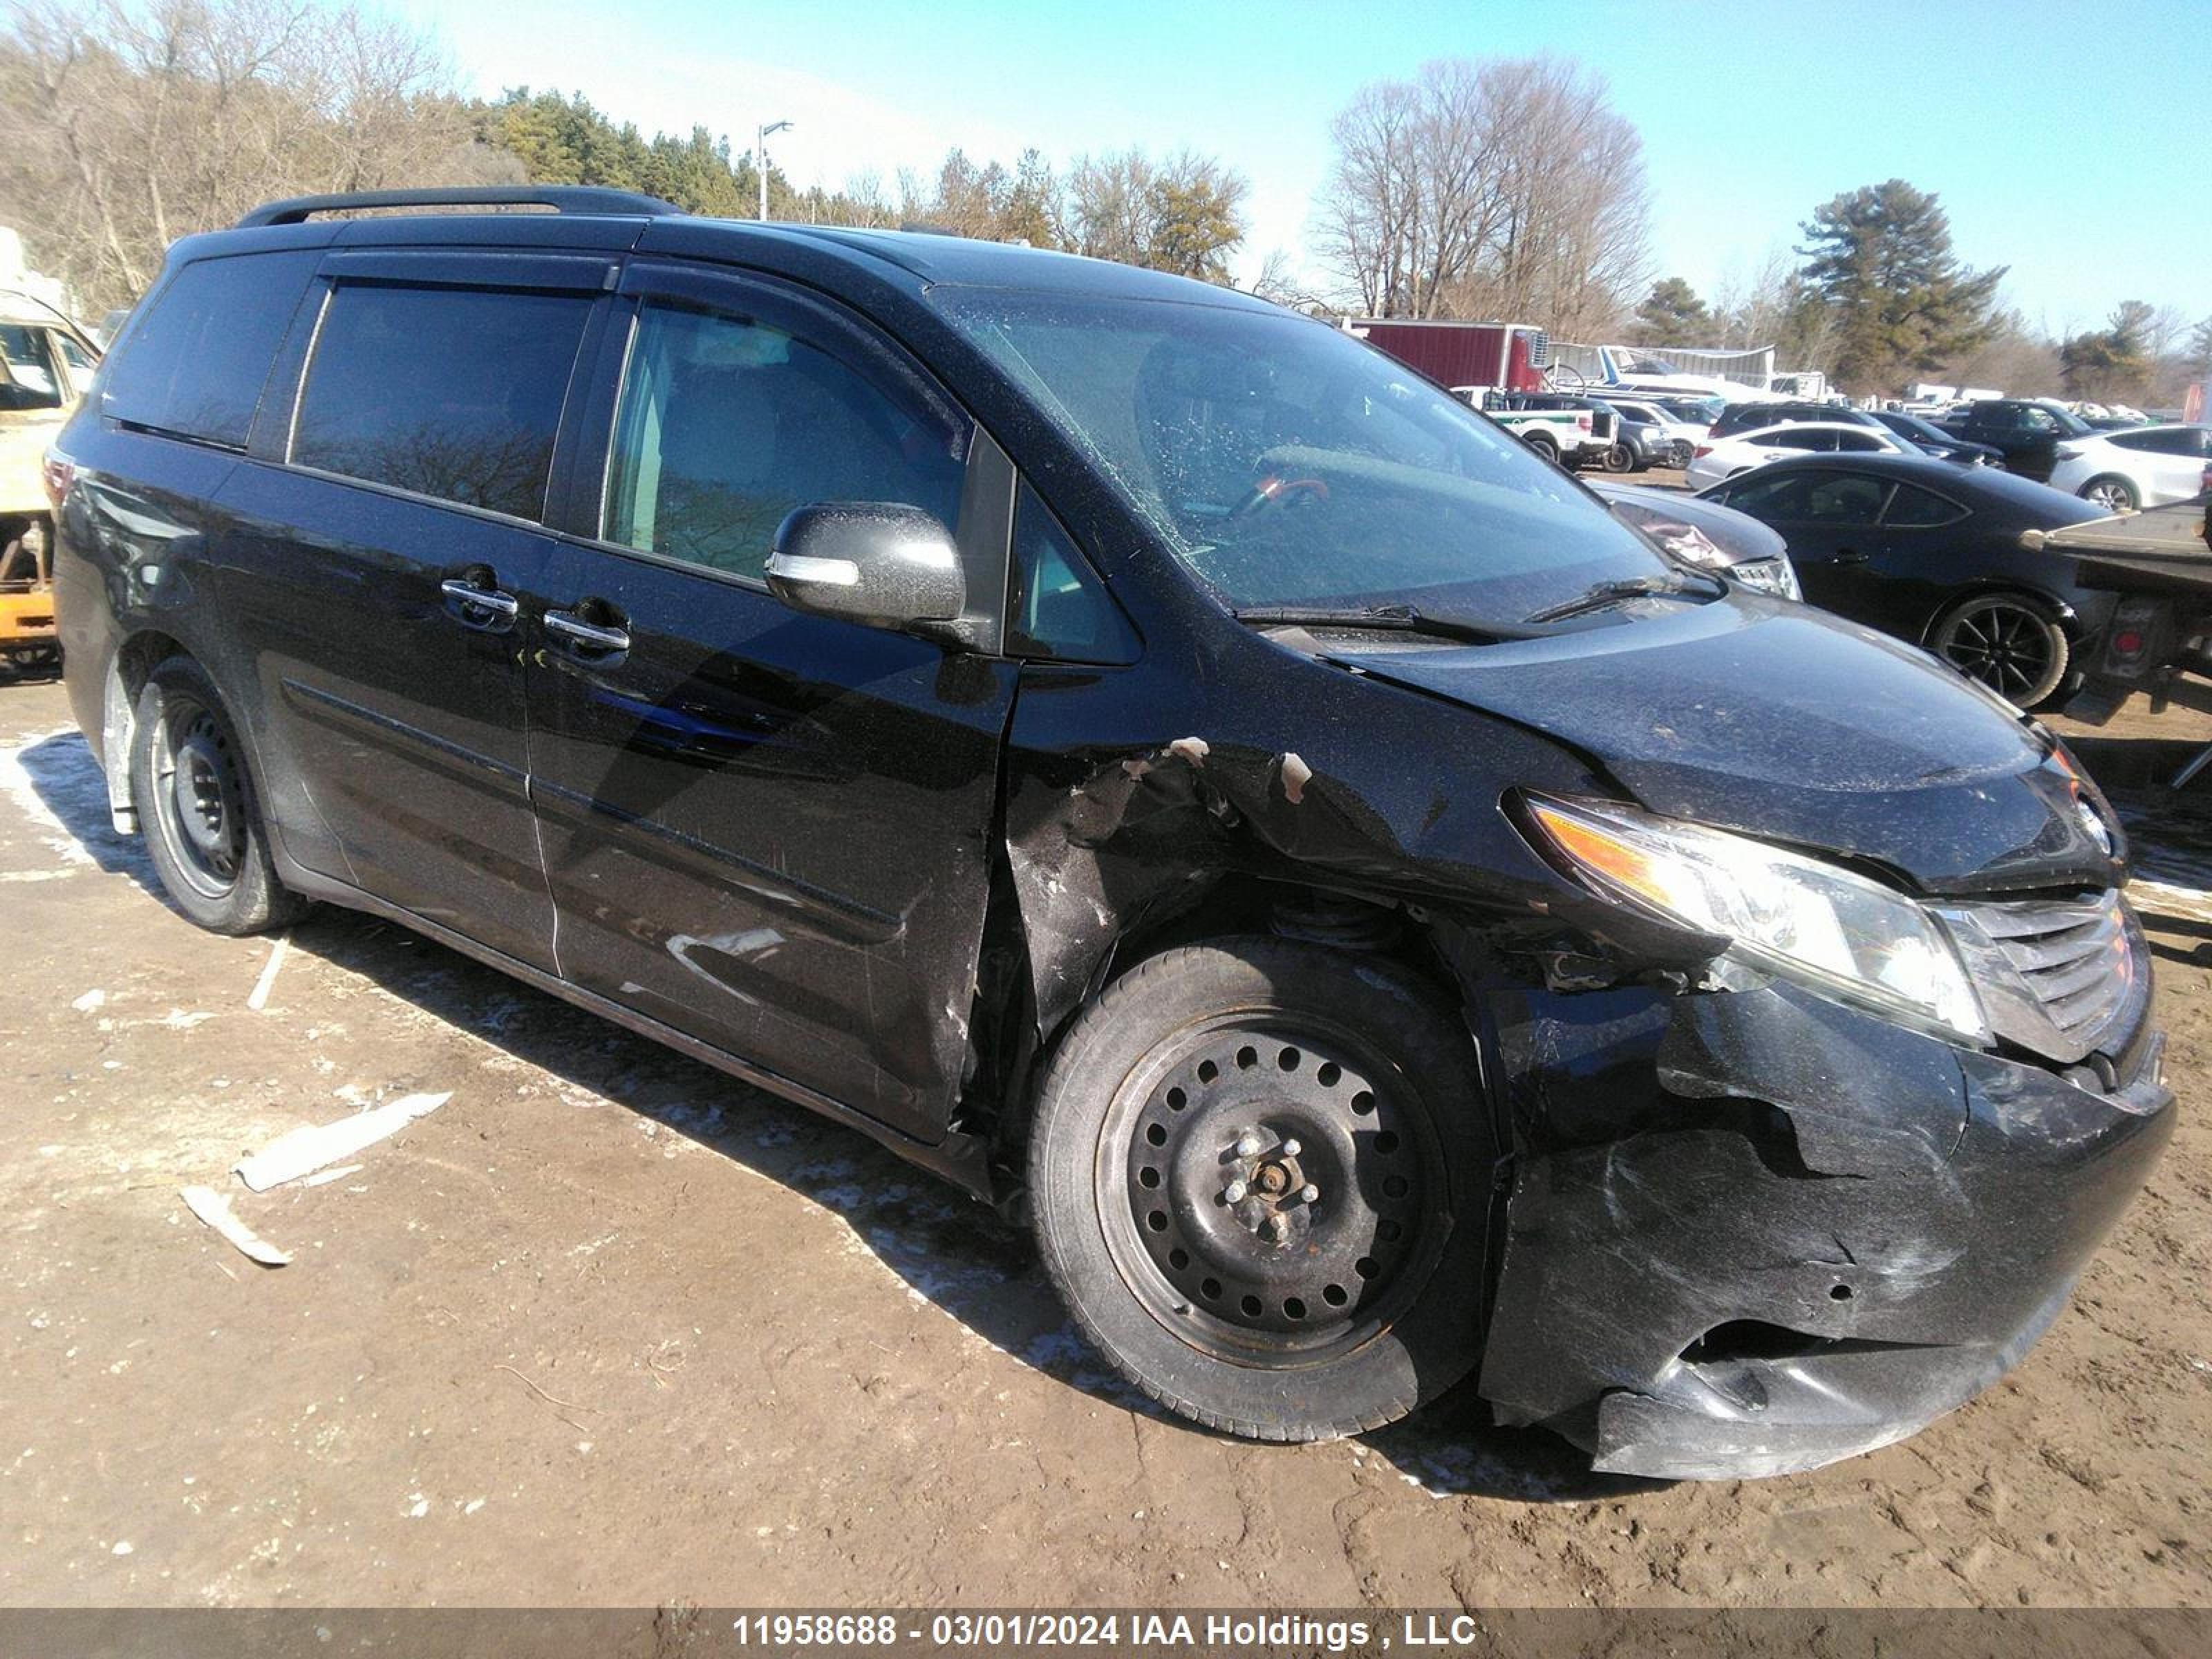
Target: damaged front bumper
1754,1232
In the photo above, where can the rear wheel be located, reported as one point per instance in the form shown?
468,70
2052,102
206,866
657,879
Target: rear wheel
2007,643
196,806
2114,494
1544,446
1258,1173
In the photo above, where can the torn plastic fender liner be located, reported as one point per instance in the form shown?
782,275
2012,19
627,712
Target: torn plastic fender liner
1810,1244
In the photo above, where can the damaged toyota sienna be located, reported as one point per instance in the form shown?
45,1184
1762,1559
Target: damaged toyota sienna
1151,760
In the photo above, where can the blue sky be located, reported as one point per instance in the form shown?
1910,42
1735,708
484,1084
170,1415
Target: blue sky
2065,139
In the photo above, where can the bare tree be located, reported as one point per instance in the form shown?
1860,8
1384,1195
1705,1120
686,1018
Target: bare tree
134,122
1505,187
1183,213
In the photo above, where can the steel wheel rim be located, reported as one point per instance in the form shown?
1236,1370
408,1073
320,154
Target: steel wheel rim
199,797
2004,646
1317,1130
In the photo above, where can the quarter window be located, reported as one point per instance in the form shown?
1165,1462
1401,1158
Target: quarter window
1059,608
194,365
1914,508
454,393
726,424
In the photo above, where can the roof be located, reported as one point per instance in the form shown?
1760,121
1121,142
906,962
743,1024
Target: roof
608,219
16,306
966,261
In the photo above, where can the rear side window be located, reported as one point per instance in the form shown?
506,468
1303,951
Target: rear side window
1811,498
2164,441
454,393
195,364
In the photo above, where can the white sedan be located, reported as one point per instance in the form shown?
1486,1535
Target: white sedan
1717,459
2146,466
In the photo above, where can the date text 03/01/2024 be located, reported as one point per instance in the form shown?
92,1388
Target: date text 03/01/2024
1043,1629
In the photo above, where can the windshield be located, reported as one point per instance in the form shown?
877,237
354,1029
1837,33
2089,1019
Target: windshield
1287,464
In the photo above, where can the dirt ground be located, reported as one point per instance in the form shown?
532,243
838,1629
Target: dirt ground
606,1328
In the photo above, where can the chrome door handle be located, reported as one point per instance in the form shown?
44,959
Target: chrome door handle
480,606
587,636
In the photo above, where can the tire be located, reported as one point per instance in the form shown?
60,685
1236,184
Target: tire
1252,1067
1546,447
2112,492
196,806
2009,643
1618,459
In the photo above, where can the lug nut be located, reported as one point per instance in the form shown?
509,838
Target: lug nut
1290,1149
1249,1144
1279,1228
1235,1191
1309,1193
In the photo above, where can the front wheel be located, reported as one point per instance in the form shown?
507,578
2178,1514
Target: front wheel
1258,1173
2114,495
2008,644
195,797
1619,459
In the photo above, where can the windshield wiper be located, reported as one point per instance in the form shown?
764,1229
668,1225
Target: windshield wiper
1389,618
1636,587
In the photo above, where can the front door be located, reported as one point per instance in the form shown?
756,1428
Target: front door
385,564
767,831
1831,522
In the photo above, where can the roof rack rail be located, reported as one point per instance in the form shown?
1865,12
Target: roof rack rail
562,198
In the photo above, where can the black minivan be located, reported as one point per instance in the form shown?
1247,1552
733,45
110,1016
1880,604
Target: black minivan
1152,760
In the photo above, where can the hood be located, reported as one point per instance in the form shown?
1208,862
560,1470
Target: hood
1782,721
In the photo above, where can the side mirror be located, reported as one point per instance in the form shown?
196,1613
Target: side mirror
880,563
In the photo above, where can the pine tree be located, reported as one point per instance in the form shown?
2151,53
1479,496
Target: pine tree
1673,315
1879,257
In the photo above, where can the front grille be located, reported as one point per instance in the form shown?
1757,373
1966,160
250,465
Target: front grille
2059,976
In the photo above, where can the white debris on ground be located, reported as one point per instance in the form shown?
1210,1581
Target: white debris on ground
213,1208
305,1150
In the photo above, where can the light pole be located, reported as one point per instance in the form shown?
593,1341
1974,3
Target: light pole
760,154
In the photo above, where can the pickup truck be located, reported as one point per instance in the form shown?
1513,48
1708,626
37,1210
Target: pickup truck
1572,431
2027,431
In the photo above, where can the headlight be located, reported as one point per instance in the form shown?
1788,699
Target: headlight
1839,934
1776,575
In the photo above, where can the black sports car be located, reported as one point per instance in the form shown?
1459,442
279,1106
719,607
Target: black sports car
1938,554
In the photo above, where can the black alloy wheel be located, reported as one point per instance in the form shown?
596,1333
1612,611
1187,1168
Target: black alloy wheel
2007,645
